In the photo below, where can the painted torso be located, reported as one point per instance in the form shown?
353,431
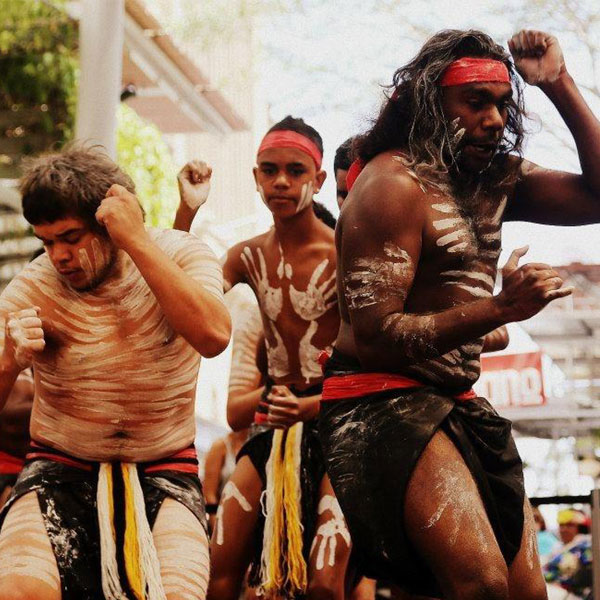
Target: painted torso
460,243
458,264
114,382
297,297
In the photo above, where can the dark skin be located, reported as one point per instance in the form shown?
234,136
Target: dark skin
283,176
416,269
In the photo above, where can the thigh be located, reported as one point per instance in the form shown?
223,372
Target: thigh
330,550
182,550
525,579
27,562
446,521
231,542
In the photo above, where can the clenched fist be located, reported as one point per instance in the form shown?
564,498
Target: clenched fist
122,215
24,331
538,57
194,183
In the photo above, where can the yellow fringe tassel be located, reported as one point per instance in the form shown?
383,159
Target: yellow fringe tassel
283,568
131,547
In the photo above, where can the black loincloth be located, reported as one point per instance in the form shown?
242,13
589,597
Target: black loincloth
67,499
371,446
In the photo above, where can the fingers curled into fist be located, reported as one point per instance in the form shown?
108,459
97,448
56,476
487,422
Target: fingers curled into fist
24,329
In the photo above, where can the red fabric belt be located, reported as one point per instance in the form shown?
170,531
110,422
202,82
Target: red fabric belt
340,387
9,464
184,461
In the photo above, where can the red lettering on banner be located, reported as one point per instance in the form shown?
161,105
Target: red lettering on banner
512,380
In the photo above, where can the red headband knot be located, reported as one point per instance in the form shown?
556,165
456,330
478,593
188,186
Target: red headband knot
475,70
291,139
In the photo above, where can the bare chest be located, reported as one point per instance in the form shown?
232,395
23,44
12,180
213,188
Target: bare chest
297,287
462,246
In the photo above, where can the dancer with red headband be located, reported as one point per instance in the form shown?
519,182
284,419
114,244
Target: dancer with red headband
278,510
427,474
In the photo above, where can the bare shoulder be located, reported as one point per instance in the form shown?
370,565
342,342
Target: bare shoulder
386,191
173,242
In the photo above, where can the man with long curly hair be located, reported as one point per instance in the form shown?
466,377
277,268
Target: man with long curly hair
427,474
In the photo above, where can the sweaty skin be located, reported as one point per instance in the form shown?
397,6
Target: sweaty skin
84,404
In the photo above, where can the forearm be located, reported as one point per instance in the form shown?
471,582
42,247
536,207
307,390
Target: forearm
241,407
9,371
192,311
405,339
582,123
184,217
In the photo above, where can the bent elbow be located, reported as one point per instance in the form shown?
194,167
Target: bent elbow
216,339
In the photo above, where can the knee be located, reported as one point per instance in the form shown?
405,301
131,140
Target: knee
325,588
488,586
222,589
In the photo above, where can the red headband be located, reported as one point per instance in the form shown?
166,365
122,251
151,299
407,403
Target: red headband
291,139
353,172
474,70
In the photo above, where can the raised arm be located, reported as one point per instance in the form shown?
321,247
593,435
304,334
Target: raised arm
191,310
544,195
380,242
194,186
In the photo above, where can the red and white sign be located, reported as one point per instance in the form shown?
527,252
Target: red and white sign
512,380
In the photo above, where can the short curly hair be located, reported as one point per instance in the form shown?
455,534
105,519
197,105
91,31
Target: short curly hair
70,183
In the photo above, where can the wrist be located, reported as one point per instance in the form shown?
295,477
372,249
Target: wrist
138,245
500,310
8,363
553,89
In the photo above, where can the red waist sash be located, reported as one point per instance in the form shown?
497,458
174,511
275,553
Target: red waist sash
184,461
355,385
9,464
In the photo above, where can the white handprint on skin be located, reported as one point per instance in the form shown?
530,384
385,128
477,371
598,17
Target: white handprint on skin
271,299
316,300
329,530
277,354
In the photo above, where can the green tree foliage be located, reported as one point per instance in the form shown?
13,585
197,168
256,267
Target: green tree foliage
38,62
38,101
145,157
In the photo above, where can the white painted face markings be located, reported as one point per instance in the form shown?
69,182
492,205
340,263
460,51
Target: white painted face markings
327,533
306,196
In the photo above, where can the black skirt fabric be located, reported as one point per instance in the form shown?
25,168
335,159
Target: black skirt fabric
312,470
371,446
67,499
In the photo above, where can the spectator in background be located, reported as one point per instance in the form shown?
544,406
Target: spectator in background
547,541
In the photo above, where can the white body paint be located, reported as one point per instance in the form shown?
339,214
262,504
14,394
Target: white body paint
229,491
309,305
328,531
25,549
113,360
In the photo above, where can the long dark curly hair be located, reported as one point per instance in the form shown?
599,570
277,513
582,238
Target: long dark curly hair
412,120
